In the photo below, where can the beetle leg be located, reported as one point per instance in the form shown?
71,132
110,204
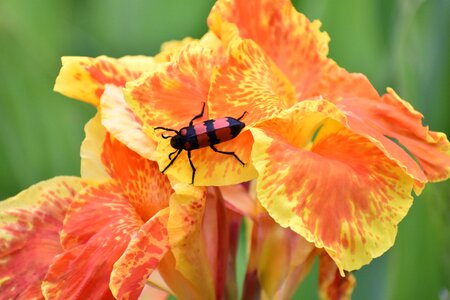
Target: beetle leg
198,116
192,166
227,153
170,155
171,162
242,116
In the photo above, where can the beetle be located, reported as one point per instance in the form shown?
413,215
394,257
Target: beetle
205,134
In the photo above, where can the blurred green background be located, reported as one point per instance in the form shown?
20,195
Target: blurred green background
404,44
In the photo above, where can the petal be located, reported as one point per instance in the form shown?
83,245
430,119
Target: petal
238,199
91,151
278,275
139,178
84,78
140,259
339,191
104,157
212,169
332,286
153,293
393,118
97,229
170,49
30,223
249,81
187,242
173,95
296,45
123,124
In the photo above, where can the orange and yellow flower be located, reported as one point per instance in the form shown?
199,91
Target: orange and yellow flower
333,166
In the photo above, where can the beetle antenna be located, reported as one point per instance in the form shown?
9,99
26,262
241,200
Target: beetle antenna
167,129
245,112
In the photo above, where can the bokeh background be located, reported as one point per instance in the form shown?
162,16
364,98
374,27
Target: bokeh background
404,44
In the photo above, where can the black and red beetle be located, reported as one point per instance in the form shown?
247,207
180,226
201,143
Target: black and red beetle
205,134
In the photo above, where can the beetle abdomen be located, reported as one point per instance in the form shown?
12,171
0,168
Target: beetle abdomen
211,132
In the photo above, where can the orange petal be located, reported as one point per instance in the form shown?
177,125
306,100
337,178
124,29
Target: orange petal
84,78
249,81
142,256
91,151
187,242
30,223
393,118
211,168
339,190
123,124
332,286
140,179
173,95
96,232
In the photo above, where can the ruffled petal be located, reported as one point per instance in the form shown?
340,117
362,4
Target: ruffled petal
139,178
123,124
84,78
332,286
30,223
97,230
170,49
391,118
140,259
173,95
249,81
295,44
334,187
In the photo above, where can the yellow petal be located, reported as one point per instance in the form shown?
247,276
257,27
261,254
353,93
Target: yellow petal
91,151
84,78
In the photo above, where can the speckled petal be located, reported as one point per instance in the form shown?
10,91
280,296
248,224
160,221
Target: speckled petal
173,95
96,232
140,259
144,186
84,78
335,188
30,223
249,81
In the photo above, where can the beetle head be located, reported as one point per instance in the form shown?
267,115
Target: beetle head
177,141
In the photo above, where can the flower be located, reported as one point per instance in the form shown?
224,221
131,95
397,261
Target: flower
332,164
321,139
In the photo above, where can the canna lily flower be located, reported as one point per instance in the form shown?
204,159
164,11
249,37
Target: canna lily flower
328,150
